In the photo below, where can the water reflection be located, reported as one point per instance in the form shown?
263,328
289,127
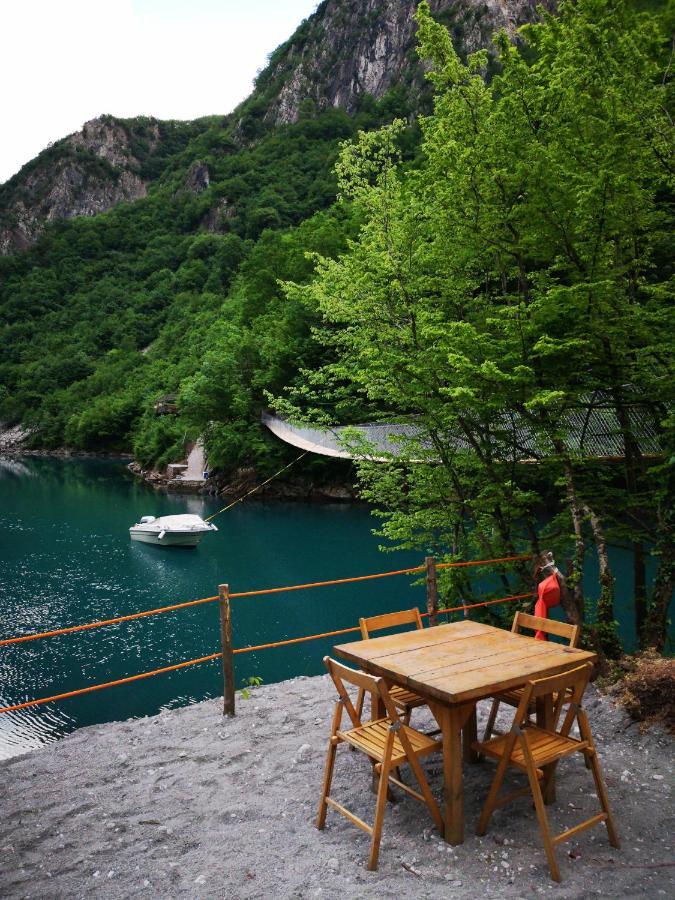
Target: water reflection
66,558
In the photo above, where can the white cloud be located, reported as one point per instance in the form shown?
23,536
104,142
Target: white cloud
63,62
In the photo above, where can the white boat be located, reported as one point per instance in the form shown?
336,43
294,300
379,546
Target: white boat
171,531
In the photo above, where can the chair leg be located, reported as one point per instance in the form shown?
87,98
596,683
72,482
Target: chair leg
490,802
491,720
593,763
426,791
541,815
330,765
379,817
327,781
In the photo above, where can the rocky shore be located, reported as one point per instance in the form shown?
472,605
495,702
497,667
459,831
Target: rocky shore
188,804
234,485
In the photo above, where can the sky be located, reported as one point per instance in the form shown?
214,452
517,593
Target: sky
63,62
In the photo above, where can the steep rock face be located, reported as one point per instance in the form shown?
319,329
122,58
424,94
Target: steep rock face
82,175
346,50
349,48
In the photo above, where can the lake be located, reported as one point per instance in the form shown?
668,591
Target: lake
66,559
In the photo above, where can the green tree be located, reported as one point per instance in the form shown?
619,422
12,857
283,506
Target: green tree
512,277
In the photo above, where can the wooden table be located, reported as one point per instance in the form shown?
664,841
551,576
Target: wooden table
454,666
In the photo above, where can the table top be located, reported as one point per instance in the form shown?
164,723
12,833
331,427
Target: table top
462,661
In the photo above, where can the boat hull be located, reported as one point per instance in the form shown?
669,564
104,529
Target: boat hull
170,539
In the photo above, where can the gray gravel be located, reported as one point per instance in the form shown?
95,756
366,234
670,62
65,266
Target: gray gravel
188,804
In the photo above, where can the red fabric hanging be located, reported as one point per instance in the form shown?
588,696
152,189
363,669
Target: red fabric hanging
548,595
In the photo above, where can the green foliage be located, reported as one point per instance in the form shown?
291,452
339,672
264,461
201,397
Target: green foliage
520,269
105,314
248,684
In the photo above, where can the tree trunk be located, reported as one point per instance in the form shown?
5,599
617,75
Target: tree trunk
606,631
656,626
640,589
573,601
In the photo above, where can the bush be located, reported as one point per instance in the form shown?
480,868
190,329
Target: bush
648,689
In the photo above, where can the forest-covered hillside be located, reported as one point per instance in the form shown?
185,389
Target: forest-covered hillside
176,290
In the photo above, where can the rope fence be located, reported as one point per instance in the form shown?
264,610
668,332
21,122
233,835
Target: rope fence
228,652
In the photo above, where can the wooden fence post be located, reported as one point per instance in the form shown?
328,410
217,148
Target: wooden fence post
226,643
432,589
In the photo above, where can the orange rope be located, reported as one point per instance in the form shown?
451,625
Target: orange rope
278,590
98,687
313,584
325,634
300,587
72,628
202,659
483,603
299,640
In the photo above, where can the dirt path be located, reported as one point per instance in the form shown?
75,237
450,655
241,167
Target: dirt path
188,804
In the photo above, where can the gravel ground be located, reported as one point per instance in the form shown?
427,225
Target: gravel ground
188,804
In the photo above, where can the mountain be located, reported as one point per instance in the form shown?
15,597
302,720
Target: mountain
367,47
108,162
342,53
152,252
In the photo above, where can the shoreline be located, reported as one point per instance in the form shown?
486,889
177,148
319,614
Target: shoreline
293,489
64,453
190,804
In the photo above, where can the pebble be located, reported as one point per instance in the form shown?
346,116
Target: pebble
304,753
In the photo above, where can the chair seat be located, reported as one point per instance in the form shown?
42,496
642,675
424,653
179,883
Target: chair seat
404,698
545,746
372,737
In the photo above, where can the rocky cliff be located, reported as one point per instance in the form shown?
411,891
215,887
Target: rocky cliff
350,48
347,50
109,161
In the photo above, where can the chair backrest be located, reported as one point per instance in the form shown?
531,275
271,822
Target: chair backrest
390,620
576,679
341,673
549,626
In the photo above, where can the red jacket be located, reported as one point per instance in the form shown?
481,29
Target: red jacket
548,595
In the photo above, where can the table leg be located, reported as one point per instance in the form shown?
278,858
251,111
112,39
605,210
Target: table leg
451,720
544,715
470,734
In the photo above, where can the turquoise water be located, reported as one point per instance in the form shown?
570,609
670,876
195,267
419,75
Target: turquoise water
66,558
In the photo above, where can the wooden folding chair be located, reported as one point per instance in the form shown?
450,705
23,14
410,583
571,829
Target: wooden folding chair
522,620
388,743
404,699
530,748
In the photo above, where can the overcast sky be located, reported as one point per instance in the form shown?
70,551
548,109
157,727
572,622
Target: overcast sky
63,62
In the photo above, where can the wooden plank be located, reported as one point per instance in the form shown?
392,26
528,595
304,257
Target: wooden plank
349,815
550,626
459,687
582,826
506,658
390,620
411,640
459,656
